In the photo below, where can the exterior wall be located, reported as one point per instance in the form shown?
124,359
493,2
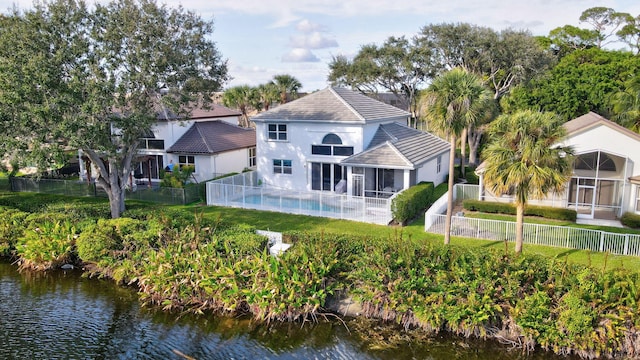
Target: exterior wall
609,140
428,171
210,166
297,148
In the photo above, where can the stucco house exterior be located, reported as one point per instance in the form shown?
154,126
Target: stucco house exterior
606,175
210,140
340,141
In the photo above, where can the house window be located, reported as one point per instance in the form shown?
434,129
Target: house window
277,132
281,166
252,157
637,198
439,164
331,146
187,160
151,144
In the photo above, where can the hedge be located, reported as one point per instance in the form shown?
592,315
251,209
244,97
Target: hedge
509,208
631,220
411,202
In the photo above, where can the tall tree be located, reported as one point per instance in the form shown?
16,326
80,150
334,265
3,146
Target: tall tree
524,157
568,38
453,100
267,95
630,33
399,66
582,81
244,98
96,79
626,104
287,86
605,22
502,59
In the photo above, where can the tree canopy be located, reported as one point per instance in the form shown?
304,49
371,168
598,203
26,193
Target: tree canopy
582,81
95,79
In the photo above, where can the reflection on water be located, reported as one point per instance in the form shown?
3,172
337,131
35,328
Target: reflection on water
61,315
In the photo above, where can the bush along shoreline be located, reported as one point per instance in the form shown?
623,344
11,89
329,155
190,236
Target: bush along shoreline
184,261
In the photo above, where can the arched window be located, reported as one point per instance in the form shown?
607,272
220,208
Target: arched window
332,139
331,146
589,162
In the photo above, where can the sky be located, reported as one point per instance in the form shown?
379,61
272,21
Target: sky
263,38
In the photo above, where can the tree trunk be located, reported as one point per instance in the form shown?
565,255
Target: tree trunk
447,223
519,227
113,179
463,151
474,137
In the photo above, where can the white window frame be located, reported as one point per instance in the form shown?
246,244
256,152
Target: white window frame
279,132
439,164
280,166
637,207
253,158
187,161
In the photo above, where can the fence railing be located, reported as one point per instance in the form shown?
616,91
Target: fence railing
538,234
243,191
173,196
460,192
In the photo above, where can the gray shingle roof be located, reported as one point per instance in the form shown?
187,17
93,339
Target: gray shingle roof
333,104
397,145
212,137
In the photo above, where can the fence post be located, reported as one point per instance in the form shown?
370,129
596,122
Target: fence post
601,240
626,244
568,237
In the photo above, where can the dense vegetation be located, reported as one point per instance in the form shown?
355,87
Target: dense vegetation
412,202
186,261
509,208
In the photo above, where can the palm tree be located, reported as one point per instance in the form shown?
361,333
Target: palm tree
524,158
626,104
452,101
268,93
242,98
287,85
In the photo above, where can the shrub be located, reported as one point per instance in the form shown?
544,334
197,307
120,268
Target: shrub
11,228
47,245
631,220
411,202
510,209
104,239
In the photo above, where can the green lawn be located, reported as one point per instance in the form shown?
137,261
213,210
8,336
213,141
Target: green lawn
287,222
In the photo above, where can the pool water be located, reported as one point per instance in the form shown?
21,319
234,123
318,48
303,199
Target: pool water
289,203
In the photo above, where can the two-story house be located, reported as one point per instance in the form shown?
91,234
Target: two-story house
341,141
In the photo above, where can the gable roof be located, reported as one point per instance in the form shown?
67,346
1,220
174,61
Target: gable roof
212,137
333,104
398,146
591,120
213,111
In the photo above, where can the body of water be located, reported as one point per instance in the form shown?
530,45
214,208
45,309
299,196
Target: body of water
62,315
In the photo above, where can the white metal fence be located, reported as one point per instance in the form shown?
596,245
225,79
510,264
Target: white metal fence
548,235
244,191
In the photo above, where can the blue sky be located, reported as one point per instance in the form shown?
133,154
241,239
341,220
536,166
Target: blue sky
262,38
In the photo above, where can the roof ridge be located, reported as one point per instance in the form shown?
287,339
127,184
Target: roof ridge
346,103
397,151
393,137
204,138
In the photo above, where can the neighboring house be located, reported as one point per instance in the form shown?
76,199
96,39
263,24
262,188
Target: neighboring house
340,141
210,140
606,176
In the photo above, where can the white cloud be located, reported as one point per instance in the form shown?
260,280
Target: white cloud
300,55
307,26
314,40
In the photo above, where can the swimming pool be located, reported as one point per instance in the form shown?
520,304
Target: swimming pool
290,203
